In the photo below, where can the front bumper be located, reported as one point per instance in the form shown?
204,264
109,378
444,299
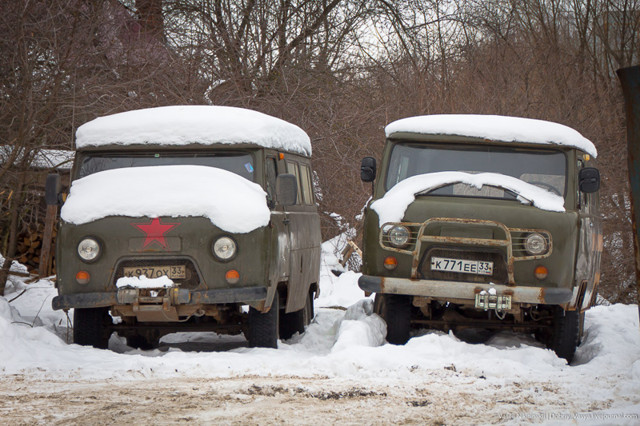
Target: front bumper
177,297
447,290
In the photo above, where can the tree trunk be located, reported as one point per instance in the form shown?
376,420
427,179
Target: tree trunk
13,232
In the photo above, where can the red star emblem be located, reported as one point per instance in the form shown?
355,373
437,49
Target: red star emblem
155,231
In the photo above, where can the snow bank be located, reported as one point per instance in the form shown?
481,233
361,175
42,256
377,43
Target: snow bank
360,327
335,290
494,127
231,202
348,345
189,124
392,206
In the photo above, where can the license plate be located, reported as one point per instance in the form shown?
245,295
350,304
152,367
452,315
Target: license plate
171,271
478,267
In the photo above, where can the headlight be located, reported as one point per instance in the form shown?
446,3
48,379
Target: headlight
88,249
535,244
399,236
224,248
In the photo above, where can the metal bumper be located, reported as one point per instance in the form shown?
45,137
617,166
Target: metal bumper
463,290
177,297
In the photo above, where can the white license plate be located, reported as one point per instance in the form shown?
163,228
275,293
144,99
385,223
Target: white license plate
477,267
171,271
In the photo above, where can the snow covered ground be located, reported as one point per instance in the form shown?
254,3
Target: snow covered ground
339,370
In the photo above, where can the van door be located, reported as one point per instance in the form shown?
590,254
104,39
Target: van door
305,239
280,264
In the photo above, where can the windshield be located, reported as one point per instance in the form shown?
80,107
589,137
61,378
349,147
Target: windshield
544,168
240,163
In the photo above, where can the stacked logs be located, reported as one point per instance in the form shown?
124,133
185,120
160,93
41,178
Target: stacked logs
29,249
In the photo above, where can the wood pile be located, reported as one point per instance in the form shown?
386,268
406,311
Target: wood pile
29,249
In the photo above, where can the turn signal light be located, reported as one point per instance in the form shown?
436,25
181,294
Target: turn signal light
232,276
83,277
390,263
541,272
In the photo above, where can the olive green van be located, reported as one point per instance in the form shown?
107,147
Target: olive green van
188,218
483,222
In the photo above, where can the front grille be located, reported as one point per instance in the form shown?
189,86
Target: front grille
190,282
500,274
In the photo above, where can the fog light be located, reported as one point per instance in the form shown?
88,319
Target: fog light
541,272
232,276
83,277
390,263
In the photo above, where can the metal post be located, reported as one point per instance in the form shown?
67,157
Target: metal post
630,80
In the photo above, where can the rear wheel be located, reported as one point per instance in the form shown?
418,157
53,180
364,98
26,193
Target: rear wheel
264,327
395,309
565,333
92,327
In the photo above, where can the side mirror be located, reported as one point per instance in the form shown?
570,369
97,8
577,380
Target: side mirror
287,189
52,188
589,180
368,169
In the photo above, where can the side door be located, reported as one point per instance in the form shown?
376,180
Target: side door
591,246
305,237
281,238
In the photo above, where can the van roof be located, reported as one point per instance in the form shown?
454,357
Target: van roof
492,128
193,124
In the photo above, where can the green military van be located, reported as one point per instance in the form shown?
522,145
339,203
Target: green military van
483,222
188,218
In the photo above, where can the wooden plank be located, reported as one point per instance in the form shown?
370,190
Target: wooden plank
46,253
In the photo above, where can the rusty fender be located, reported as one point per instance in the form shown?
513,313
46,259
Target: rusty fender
462,290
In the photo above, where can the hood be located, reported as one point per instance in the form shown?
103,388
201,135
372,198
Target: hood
231,202
392,207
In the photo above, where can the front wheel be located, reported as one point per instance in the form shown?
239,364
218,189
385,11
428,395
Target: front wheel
92,327
295,322
395,309
565,333
264,327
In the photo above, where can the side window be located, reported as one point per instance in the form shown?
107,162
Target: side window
271,180
293,169
305,182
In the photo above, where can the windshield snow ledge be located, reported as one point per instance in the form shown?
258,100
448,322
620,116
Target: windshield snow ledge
392,207
231,202
494,127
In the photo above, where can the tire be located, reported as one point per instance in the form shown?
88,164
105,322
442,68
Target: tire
295,322
565,333
264,328
395,309
92,327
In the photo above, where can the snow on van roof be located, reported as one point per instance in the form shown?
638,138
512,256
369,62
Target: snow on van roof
188,124
393,205
494,127
231,202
